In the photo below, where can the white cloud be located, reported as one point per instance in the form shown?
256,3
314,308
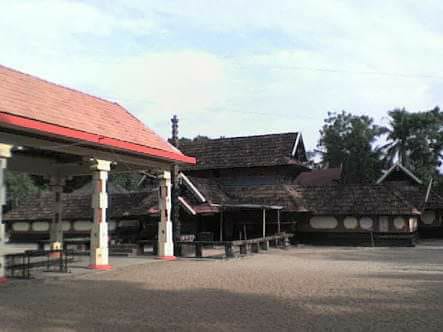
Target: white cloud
333,47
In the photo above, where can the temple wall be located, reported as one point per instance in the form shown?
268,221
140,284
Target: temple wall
431,218
349,224
39,229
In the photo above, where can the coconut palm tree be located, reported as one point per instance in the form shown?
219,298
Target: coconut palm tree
398,135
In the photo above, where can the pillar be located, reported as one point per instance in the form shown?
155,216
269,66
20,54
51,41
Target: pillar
165,243
221,225
5,152
56,230
99,256
264,223
175,192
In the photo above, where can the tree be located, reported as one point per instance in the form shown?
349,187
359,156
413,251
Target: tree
398,136
19,186
198,138
133,181
347,141
415,139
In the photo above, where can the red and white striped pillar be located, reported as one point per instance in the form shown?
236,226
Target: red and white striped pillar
5,153
56,230
165,242
99,256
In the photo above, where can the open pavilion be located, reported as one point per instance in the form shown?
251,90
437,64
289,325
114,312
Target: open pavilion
59,133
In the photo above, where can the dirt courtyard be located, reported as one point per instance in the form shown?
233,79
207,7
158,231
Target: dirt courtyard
302,289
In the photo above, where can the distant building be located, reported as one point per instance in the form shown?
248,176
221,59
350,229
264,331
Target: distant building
242,182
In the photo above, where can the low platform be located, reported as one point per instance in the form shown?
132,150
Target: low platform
358,239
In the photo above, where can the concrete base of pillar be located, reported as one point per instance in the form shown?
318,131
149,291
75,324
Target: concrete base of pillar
165,244
167,258
99,256
3,278
106,267
99,253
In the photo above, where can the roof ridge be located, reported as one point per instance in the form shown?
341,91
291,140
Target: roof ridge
236,137
61,86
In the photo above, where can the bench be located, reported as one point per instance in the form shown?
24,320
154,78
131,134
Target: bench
20,264
83,242
245,246
141,244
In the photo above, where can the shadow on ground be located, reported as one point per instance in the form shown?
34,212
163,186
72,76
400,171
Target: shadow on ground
115,305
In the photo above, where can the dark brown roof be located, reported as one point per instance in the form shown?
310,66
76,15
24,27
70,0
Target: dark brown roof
276,195
351,200
248,151
320,200
210,189
88,189
416,195
41,207
319,177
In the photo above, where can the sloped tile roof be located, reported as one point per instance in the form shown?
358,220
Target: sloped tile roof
318,200
248,151
352,200
276,195
319,177
27,102
416,195
42,207
210,189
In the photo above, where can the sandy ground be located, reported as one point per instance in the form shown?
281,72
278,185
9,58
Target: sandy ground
302,289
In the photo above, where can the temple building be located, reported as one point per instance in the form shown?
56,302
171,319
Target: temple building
248,187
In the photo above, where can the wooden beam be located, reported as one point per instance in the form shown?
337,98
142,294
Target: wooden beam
76,148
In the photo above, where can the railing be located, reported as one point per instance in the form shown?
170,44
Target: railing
244,246
19,265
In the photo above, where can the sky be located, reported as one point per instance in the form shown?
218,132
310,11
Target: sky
234,67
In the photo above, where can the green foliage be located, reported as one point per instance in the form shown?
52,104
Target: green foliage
133,181
415,139
347,141
20,185
198,138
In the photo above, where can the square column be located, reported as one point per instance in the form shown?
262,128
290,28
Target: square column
5,152
56,230
99,256
165,242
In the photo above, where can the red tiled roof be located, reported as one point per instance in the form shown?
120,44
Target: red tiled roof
32,103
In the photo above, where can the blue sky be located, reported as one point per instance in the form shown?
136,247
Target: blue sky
234,67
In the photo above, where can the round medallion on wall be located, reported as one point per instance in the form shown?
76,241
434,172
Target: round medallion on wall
366,223
428,217
350,222
21,226
399,222
83,225
323,222
40,226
